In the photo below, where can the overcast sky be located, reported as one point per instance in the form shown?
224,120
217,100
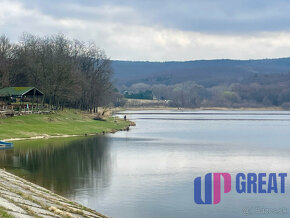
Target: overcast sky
159,30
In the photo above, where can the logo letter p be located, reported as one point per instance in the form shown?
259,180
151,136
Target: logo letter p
217,185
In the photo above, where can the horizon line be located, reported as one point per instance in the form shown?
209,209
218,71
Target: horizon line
215,59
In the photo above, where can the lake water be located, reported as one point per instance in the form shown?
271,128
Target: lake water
149,170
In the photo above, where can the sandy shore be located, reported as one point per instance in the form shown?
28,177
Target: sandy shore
41,137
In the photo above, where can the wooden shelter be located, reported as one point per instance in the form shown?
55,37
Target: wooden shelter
10,94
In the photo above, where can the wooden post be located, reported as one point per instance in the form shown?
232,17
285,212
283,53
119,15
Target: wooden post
33,100
42,102
37,102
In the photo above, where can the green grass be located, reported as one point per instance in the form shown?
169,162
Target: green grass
4,214
67,122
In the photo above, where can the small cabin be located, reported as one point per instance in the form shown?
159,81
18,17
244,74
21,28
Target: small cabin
14,95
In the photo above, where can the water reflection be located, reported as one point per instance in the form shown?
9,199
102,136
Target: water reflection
62,165
149,170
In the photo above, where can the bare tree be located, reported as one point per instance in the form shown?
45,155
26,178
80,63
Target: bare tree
6,55
70,72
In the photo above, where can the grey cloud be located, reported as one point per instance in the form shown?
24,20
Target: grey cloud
212,16
159,30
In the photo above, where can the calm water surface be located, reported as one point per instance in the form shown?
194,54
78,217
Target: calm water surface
149,171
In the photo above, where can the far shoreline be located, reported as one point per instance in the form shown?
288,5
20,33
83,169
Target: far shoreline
116,110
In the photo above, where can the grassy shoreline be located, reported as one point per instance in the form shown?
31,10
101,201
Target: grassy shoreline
60,124
70,122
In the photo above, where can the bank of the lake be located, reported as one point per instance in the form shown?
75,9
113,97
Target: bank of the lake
20,198
58,124
146,104
161,108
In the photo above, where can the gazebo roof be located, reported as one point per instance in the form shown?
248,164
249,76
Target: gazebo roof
19,91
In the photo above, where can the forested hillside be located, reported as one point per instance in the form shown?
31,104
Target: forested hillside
205,72
228,83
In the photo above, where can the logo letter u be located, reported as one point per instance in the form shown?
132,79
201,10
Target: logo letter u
208,190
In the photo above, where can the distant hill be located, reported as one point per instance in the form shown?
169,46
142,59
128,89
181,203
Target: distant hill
205,72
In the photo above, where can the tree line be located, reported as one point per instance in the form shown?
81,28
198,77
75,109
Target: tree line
70,73
266,90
